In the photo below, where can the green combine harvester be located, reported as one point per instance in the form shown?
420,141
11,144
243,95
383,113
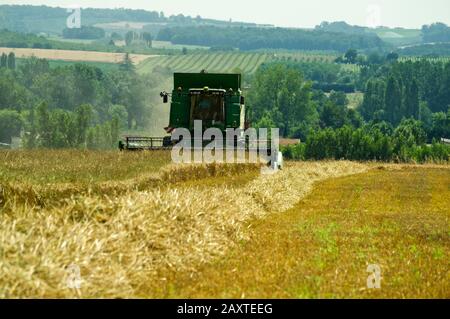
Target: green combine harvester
215,99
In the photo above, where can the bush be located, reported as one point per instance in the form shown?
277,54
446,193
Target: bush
369,143
294,152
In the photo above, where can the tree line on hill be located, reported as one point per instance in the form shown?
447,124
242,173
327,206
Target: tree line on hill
49,105
11,39
269,38
28,18
408,89
436,32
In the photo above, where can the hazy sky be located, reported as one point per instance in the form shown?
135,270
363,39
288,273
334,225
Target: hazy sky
288,13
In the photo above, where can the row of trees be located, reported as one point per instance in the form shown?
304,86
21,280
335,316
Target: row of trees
436,32
64,129
117,100
42,127
132,36
26,18
407,143
281,97
269,38
8,61
70,86
407,90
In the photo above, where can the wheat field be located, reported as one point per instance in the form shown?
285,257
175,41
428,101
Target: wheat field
73,55
178,218
138,226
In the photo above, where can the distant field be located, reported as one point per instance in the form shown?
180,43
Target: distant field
400,36
212,62
167,45
398,33
444,59
305,56
170,45
122,25
82,41
247,62
68,55
105,66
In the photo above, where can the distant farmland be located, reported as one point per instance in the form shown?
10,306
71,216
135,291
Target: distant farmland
225,62
213,62
68,55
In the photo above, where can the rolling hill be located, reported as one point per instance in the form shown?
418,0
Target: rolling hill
225,61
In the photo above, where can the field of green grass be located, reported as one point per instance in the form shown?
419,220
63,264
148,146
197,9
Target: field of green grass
212,62
247,62
400,36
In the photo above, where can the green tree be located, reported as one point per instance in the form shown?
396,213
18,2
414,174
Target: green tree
129,38
30,140
393,101
148,38
44,125
10,125
332,115
410,133
392,57
83,120
440,125
12,61
127,65
412,100
374,99
4,60
119,111
283,93
115,129
351,55
116,36
354,118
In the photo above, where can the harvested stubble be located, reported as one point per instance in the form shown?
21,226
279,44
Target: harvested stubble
44,195
125,243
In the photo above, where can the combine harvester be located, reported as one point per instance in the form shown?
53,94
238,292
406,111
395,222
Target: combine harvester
217,101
